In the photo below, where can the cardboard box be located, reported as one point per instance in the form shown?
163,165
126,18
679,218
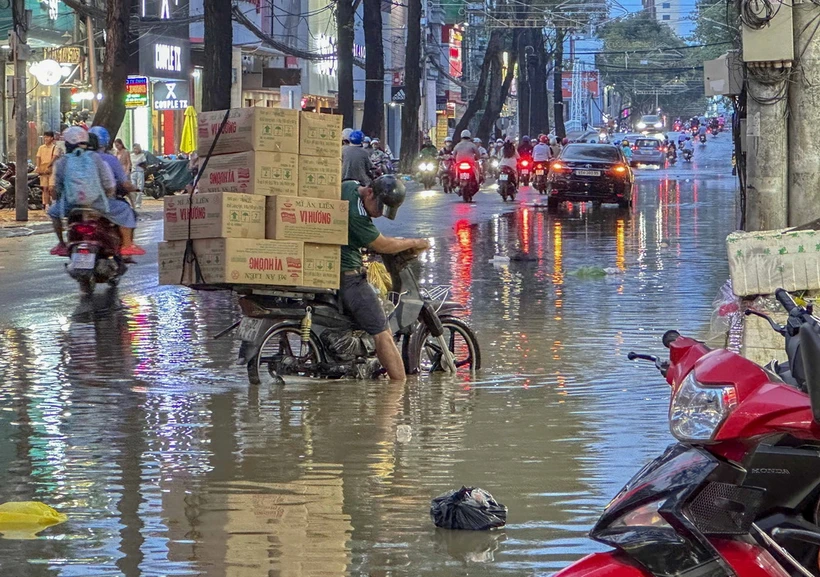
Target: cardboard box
215,214
263,173
322,264
319,220
762,261
320,135
320,177
254,128
234,261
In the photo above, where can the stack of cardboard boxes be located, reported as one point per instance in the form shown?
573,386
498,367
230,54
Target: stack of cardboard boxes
268,208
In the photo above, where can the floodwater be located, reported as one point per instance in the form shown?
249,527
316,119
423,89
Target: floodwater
126,415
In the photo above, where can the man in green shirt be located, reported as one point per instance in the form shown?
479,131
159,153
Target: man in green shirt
382,197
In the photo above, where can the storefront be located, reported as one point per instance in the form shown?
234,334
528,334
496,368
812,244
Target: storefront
160,89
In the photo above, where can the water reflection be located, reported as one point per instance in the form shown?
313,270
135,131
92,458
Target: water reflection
126,415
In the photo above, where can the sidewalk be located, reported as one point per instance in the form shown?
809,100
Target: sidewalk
39,223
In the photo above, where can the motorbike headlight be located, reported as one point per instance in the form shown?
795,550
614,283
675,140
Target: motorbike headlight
644,516
642,125
697,410
495,164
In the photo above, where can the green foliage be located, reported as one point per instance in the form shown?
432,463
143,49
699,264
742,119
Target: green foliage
642,55
716,24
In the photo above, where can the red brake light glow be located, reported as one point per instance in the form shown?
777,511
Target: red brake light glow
464,166
525,163
558,166
84,229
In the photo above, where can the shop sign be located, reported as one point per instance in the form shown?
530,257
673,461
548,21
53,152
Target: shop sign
398,95
136,91
64,54
164,57
171,95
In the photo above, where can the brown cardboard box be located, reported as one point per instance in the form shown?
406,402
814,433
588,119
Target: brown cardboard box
318,220
254,128
320,135
320,177
215,214
322,265
234,261
264,173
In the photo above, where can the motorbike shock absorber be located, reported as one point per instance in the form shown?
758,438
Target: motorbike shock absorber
307,324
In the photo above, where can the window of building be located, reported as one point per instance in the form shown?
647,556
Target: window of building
665,17
666,5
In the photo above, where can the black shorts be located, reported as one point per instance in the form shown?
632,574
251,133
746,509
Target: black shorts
362,303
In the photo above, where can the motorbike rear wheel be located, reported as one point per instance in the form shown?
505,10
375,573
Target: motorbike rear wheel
157,189
461,342
279,356
87,285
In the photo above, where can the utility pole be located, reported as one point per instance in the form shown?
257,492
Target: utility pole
92,61
21,19
3,120
804,101
767,157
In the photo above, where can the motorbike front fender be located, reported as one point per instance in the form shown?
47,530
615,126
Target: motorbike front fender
609,564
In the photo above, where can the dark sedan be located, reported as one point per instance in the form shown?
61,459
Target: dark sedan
590,173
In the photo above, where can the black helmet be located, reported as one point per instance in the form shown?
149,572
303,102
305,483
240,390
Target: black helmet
525,138
390,193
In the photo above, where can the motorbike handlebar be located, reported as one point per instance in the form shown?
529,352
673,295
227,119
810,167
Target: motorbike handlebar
786,301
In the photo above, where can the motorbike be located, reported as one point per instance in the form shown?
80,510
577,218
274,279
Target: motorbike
540,170
165,177
467,181
426,170
492,171
8,186
738,495
524,169
671,154
445,173
687,155
702,139
94,245
506,183
677,126
306,333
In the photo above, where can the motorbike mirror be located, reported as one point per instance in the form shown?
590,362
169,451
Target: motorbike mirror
670,337
810,353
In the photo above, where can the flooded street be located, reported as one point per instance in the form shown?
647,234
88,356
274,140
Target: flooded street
125,414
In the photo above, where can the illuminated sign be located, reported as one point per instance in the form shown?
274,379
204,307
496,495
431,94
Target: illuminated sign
326,45
64,54
136,91
168,58
53,9
171,95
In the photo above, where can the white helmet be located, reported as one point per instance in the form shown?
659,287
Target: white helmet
466,134
477,140
499,141
75,135
346,133
448,139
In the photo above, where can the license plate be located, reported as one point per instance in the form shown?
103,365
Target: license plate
539,173
588,172
502,177
249,328
525,172
83,260
464,176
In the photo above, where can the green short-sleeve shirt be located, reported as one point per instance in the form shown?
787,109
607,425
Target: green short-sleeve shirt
360,230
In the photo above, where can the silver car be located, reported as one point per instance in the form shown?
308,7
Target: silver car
648,151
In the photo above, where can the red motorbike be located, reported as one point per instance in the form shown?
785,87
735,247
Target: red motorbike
467,180
94,245
524,170
739,495
540,179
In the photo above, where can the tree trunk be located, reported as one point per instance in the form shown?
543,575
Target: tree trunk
557,88
112,108
216,76
540,110
498,91
373,120
525,73
412,88
477,101
344,58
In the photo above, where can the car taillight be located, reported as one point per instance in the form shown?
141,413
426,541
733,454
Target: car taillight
634,147
84,229
464,166
619,168
559,166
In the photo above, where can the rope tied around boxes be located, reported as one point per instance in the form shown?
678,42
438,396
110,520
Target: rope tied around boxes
190,258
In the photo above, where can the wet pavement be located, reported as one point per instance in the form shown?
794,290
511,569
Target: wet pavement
124,413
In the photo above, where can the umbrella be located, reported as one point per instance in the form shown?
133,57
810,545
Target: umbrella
189,128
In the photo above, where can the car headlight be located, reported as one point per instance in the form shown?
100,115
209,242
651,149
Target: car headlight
642,125
697,410
659,125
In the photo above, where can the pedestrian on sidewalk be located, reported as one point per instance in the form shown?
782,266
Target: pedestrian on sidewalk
138,165
46,155
123,156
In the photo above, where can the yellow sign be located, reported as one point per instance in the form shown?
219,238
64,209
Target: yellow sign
441,129
64,54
